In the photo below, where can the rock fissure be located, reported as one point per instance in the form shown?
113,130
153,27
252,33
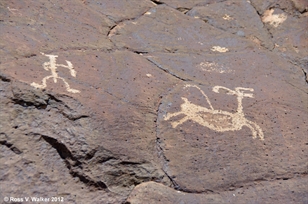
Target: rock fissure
4,78
241,185
267,29
164,161
73,164
113,29
167,71
299,88
160,151
24,103
305,75
157,2
11,147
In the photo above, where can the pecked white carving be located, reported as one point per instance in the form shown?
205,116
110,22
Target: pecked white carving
217,120
52,66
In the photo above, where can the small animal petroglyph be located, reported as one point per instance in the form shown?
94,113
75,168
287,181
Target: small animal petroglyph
52,66
217,120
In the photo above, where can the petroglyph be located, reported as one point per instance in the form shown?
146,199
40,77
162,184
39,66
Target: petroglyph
227,17
273,19
52,66
219,49
213,67
218,120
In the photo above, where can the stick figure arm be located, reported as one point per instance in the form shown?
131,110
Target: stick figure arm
68,66
71,68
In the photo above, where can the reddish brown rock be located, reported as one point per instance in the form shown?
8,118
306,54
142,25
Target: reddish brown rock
280,191
30,27
192,36
231,16
141,102
301,5
94,125
289,35
219,151
119,10
182,4
262,6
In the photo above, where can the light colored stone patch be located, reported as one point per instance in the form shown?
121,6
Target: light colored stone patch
153,3
219,49
15,12
273,19
227,17
52,66
213,67
217,120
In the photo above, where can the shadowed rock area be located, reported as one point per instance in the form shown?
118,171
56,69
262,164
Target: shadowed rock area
162,101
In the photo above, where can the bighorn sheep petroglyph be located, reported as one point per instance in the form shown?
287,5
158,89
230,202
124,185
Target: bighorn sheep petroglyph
217,120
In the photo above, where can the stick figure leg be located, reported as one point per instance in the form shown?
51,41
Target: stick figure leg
44,85
176,123
170,115
67,86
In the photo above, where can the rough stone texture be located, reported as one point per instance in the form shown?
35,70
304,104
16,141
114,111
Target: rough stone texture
231,16
166,101
183,4
84,128
290,37
193,36
119,10
289,192
223,159
32,26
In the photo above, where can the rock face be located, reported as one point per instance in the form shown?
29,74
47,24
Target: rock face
164,101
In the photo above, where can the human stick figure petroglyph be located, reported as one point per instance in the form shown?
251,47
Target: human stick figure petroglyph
52,66
217,120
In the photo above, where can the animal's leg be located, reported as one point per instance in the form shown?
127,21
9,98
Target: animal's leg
170,115
176,123
44,85
259,130
256,130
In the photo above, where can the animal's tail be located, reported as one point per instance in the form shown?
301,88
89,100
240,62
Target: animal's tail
207,98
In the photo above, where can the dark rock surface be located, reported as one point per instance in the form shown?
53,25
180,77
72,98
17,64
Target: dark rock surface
165,101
